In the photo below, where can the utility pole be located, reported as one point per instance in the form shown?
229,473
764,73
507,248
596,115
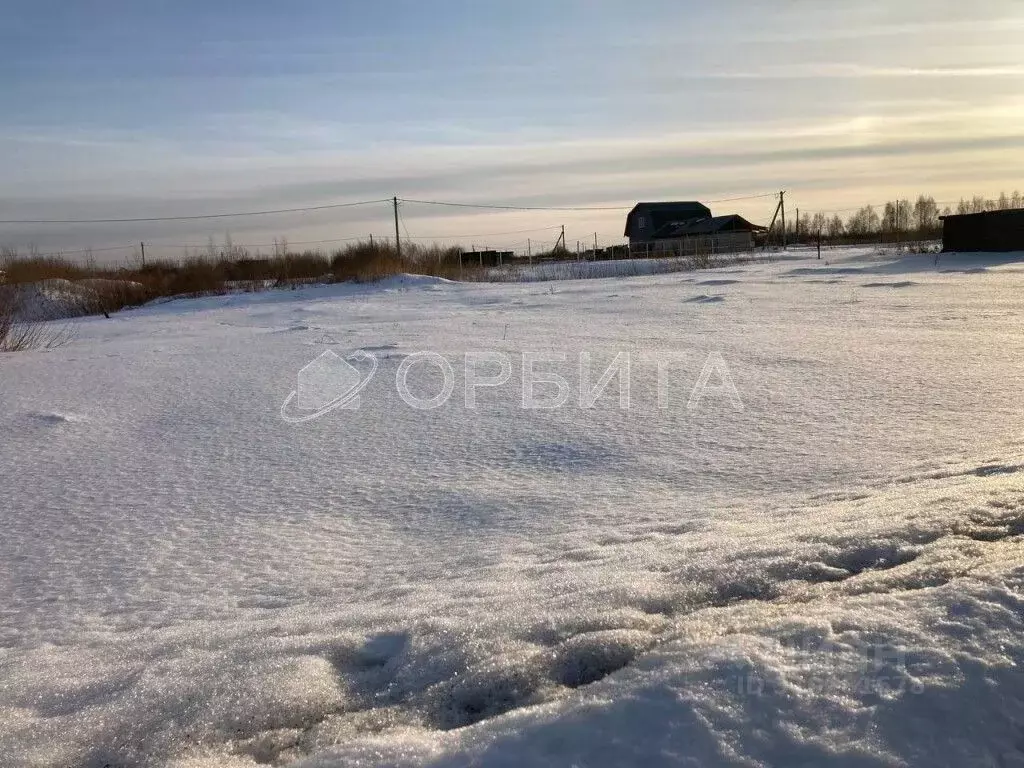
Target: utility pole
398,242
143,247
781,203
529,252
595,246
371,240
561,239
796,239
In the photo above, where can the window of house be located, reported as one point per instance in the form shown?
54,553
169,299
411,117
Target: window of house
641,222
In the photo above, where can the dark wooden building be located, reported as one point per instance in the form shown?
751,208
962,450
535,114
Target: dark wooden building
646,219
687,228
988,231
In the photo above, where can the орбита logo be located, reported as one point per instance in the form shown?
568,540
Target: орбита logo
331,382
328,383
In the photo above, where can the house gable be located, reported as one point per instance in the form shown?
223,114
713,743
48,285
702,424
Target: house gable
647,218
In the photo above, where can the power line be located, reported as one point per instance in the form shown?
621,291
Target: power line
745,197
485,234
284,241
192,218
510,207
405,228
100,250
271,245
333,206
164,246
489,206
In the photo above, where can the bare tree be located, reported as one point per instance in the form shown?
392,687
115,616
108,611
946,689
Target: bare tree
926,215
864,222
817,225
976,204
889,217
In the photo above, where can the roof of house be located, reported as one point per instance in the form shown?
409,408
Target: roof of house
1009,212
670,211
707,226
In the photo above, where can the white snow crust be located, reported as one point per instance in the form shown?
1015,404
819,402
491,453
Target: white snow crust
832,575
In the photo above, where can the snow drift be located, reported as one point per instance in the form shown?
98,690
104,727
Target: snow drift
831,574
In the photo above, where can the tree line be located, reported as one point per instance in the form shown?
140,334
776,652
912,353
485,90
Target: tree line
896,221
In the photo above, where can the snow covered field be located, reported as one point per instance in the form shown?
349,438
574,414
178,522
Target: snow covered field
830,574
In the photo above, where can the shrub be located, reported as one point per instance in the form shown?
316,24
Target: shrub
90,289
367,261
18,335
35,269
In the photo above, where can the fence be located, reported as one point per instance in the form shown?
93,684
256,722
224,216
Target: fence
697,245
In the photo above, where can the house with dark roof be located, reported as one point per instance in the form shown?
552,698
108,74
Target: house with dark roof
687,227
648,218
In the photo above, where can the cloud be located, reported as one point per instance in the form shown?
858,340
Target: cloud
845,71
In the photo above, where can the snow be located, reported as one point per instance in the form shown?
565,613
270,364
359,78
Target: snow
632,267
830,574
57,298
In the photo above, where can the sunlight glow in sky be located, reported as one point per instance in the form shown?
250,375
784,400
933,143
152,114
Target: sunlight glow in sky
115,108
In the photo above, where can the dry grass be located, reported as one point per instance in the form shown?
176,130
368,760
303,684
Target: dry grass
18,335
33,269
104,290
366,262
113,288
108,289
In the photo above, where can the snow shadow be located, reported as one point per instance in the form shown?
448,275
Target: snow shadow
446,681
446,516
576,456
965,263
900,284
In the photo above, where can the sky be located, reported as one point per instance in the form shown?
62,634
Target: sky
153,108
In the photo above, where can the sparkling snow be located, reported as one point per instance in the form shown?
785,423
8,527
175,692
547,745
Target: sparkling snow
832,574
